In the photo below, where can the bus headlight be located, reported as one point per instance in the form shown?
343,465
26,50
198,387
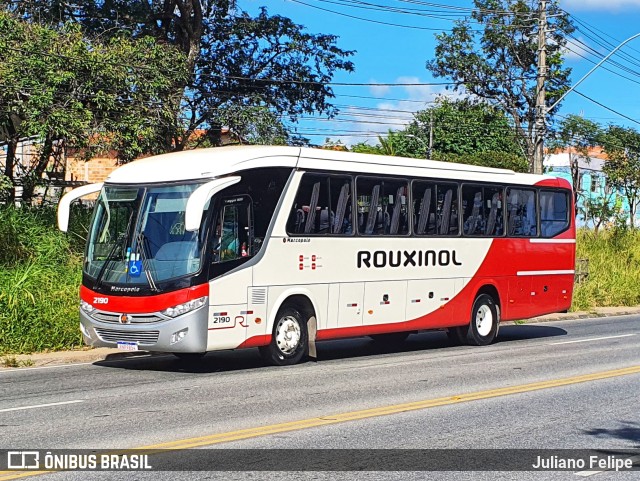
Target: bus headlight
186,307
86,307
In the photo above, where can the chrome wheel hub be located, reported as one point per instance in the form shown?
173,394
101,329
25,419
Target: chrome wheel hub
484,320
288,334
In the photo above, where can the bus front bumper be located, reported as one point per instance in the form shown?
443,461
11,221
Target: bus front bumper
185,333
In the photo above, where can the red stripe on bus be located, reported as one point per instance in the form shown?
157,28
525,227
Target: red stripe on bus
143,304
256,341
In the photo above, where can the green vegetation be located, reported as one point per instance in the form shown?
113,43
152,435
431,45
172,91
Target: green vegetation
72,92
12,361
614,269
39,281
463,131
40,273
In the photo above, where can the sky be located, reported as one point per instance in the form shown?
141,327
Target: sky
394,47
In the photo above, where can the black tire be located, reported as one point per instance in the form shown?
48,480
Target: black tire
390,338
484,321
189,356
289,339
458,335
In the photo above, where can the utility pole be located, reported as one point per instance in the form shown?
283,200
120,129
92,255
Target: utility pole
430,135
541,110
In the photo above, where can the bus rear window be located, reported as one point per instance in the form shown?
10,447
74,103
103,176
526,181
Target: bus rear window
554,212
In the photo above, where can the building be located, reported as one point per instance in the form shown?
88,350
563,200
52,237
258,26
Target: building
592,182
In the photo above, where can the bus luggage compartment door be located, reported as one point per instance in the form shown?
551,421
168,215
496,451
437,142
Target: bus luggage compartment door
350,304
384,302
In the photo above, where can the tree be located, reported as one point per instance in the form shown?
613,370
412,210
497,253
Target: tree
622,146
578,135
461,131
499,63
600,210
461,127
236,61
69,92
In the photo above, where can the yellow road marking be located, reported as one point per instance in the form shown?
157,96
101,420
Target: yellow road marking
356,415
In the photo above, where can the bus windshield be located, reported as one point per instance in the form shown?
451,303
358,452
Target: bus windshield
137,236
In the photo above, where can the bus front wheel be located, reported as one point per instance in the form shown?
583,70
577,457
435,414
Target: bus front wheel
289,339
484,321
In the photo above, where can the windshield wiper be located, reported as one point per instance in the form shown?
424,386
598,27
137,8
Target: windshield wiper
142,246
111,256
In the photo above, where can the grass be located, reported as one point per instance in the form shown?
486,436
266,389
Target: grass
12,361
40,272
614,269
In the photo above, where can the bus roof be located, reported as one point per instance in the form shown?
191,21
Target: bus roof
220,161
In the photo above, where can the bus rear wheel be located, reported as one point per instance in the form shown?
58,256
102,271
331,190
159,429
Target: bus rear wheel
289,340
484,321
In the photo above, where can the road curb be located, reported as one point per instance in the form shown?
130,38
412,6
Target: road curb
44,359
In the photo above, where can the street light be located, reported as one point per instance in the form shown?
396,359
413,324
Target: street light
594,67
542,108
428,146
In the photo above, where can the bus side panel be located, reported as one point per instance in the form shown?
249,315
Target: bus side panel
318,294
384,302
228,315
540,273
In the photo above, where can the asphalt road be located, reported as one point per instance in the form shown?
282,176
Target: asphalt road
158,399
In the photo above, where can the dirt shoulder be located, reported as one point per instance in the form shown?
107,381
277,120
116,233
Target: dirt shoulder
89,355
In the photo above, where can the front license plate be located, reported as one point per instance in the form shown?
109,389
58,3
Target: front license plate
127,346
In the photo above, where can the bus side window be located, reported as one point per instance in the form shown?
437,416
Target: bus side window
472,207
521,213
341,215
322,206
310,212
424,219
382,206
233,232
554,212
493,206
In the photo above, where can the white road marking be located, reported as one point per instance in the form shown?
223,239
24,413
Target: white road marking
22,369
73,364
41,405
592,339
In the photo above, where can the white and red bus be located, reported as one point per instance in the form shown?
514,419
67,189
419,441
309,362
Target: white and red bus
277,247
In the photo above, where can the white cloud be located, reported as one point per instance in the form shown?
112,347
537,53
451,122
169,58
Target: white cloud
600,5
378,90
364,124
575,49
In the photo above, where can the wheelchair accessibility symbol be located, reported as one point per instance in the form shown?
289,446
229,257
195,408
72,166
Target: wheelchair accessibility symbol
135,268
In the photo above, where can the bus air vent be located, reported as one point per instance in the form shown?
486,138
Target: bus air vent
258,296
115,335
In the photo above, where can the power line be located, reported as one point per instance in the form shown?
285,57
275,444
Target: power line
391,24
605,107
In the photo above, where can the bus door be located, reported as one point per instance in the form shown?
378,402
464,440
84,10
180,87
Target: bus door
232,246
